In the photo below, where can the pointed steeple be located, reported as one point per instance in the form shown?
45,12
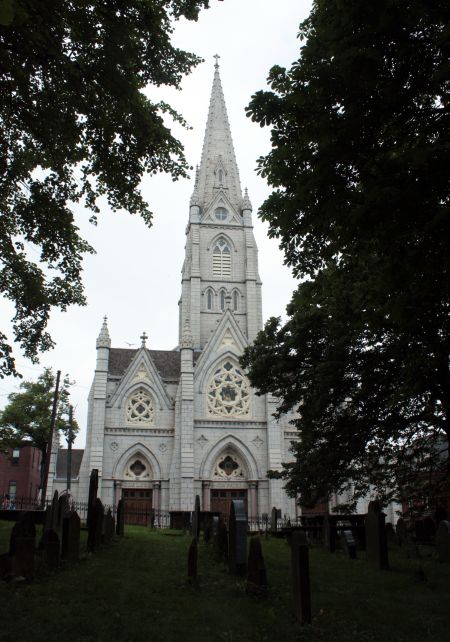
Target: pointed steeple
103,339
218,167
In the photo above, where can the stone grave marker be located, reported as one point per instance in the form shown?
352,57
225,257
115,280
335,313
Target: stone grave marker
376,542
192,559
207,532
120,525
109,527
93,488
329,534
63,510
443,541
55,511
70,543
390,534
401,531
50,544
348,544
237,538
274,521
196,518
24,528
256,569
95,526
222,540
300,577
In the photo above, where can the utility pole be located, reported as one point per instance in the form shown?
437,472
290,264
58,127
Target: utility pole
50,437
69,448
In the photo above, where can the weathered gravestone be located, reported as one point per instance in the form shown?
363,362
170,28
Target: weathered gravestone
390,534
401,531
443,541
256,570
207,531
63,510
93,488
192,559
96,532
50,545
376,542
237,538
109,527
23,528
55,511
300,577
21,546
348,544
222,540
70,542
329,534
274,521
196,518
120,526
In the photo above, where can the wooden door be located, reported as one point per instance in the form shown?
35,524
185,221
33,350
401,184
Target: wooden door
137,505
221,500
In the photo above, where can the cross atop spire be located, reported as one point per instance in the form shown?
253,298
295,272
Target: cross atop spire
216,65
143,338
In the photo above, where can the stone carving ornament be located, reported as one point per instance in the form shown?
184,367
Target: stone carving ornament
228,392
140,408
229,466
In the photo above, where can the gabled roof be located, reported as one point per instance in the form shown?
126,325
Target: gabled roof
167,362
61,462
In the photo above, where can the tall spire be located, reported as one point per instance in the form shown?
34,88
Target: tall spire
103,339
218,167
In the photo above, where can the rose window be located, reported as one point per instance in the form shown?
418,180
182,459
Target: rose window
228,392
229,466
140,408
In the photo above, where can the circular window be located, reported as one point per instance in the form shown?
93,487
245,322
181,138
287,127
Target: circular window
221,214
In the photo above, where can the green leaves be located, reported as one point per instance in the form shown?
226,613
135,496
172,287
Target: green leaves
75,126
361,208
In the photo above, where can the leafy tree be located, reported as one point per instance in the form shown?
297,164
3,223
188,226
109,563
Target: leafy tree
359,165
75,126
27,415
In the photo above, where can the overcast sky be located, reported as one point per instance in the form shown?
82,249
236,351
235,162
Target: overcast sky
134,278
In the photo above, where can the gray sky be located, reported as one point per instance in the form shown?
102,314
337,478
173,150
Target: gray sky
135,276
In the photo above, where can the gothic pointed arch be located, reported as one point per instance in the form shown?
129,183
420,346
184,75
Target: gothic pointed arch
138,452
221,257
238,452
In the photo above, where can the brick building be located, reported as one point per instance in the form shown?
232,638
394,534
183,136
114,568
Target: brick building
20,472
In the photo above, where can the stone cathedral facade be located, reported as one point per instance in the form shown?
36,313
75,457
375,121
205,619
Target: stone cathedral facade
166,425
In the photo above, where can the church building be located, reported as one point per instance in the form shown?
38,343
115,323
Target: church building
167,425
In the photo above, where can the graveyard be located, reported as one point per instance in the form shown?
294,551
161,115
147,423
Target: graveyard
137,587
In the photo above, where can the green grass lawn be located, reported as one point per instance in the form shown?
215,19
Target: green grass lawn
137,590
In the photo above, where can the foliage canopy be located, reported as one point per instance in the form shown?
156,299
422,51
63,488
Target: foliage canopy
359,166
75,126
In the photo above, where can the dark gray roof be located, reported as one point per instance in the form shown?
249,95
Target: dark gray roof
61,462
167,362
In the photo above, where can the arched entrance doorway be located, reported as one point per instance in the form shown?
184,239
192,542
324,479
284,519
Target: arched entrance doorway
229,480
137,490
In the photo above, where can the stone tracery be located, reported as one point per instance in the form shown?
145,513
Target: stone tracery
140,408
228,391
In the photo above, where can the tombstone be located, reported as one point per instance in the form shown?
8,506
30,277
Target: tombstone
348,544
429,528
390,534
256,570
222,540
376,542
192,559
55,510
443,541
401,531
329,534
300,577
274,521
207,531
50,544
48,518
63,510
70,543
24,528
93,488
109,527
237,538
23,563
196,518
120,525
